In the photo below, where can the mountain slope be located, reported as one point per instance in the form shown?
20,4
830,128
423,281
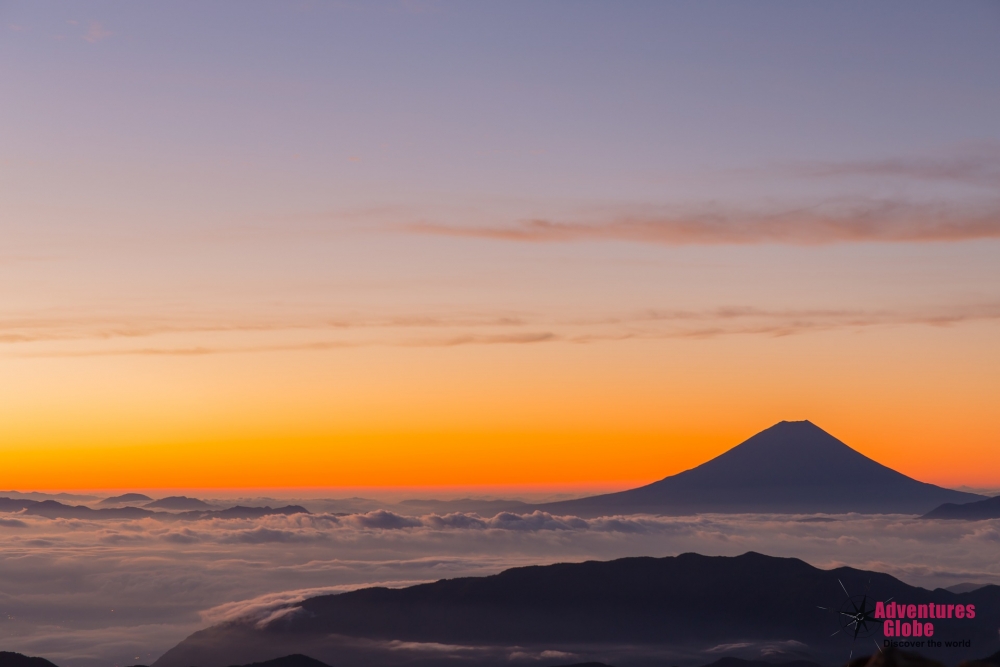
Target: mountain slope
792,467
676,610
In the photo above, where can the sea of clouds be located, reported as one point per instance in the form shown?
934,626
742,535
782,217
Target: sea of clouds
107,592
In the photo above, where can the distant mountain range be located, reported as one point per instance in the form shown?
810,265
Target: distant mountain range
974,511
687,609
35,495
51,509
792,467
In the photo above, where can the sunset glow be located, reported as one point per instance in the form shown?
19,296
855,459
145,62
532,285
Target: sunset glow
375,247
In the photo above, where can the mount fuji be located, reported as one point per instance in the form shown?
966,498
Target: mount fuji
793,467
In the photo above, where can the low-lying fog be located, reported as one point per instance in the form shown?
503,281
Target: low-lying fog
110,592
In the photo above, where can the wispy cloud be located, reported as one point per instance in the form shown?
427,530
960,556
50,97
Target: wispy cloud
96,32
734,320
69,326
489,339
264,609
880,221
978,165
314,346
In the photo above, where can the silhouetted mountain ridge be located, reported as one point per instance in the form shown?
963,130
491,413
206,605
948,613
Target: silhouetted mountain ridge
791,467
8,659
619,612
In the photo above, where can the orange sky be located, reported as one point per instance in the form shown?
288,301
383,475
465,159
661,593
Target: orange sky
497,414
333,245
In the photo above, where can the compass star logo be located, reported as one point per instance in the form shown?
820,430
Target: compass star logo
856,616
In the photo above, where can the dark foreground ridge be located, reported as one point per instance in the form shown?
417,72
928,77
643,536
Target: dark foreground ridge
295,660
632,611
897,658
792,467
974,511
740,662
888,658
8,659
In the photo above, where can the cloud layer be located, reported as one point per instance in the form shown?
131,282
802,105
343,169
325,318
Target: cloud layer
88,593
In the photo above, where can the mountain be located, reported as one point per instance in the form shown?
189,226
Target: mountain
964,587
125,498
792,467
178,503
991,659
15,504
8,659
683,610
974,511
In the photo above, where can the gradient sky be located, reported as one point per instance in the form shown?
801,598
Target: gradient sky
432,243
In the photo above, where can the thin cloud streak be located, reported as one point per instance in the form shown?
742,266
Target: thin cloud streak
43,329
857,222
651,324
979,166
305,347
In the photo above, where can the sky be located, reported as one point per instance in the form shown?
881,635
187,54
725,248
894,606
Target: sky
442,244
